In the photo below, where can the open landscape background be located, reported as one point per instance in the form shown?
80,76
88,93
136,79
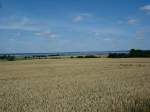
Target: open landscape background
74,55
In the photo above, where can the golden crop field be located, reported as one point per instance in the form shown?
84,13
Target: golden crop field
75,85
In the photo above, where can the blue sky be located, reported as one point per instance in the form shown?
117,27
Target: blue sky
73,25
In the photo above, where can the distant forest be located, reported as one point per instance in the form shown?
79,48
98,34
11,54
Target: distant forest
8,57
134,53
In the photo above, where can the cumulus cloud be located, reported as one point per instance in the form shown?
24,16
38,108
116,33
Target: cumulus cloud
146,8
107,39
132,21
106,32
24,21
21,23
48,34
86,14
26,24
78,18
81,17
142,33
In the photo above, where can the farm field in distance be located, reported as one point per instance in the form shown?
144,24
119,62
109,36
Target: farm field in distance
75,85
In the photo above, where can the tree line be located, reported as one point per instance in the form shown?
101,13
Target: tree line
8,57
133,53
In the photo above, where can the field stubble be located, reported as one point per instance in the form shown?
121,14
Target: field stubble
75,85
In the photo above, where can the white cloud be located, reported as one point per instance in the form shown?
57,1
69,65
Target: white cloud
132,21
107,39
106,32
12,39
146,8
26,24
78,18
22,23
86,14
142,33
81,17
48,34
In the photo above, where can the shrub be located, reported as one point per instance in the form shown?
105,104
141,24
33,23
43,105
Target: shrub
71,56
11,58
118,55
80,57
91,56
3,57
7,57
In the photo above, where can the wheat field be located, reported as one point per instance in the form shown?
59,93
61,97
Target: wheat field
75,85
